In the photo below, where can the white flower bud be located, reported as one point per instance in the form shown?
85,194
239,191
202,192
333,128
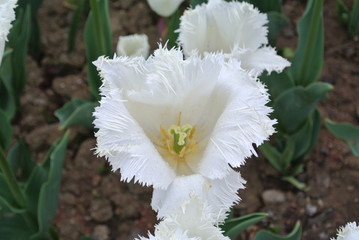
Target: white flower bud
164,8
135,45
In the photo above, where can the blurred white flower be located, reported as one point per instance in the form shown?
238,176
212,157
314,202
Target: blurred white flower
236,29
7,15
192,221
164,8
170,122
348,232
135,45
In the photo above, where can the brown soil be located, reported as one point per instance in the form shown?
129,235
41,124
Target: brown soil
94,202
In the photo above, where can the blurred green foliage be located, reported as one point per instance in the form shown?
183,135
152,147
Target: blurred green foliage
349,19
295,94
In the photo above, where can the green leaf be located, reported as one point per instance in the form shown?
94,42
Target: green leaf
273,155
277,83
49,192
354,20
295,105
276,23
36,180
294,235
7,91
292,180
20,161
233,227
18,40
6,197
316,125
5,130
194,3
342,12
308,60
35,39
173,24
76,112
13,226
288,153
76,19
345,132
268,5
300,139
98,41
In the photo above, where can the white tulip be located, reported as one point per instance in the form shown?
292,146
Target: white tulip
236,29
164,8
192,221
348,232
7,15
135,45
166,121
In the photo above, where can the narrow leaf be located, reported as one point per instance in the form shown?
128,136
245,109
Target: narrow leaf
76,19
294,235
273,156
5,131
20,161
49,192
354,20
76,112
345,132
233,227
308,60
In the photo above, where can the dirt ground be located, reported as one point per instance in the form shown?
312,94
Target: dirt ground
93,201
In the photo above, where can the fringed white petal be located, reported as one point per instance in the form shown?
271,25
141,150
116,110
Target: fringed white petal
164,234
210,27
245,121
7,15
219,194
135,45
126,146
164,8
194,218
261,59
349,232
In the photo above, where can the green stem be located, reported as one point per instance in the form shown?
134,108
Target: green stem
11,181
99,31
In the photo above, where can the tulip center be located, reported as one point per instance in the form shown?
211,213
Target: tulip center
178,139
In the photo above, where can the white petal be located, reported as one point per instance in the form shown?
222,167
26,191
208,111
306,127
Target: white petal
193,220
245,121
219,194
135,45
221,26
164,8
127,148
261,59
7,15
349,232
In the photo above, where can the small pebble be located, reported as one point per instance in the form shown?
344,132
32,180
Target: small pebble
271,196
